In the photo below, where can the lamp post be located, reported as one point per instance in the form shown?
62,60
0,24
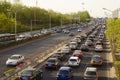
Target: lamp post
61,20
49,20
15,25
109,11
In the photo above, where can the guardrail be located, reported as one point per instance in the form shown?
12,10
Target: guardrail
35,60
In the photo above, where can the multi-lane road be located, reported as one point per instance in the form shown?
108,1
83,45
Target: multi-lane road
32,48
37,46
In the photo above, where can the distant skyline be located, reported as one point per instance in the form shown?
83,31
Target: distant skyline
94,7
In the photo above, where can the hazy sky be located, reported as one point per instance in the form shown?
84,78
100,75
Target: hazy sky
94,7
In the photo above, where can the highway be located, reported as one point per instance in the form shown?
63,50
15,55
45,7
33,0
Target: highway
32,48
103,71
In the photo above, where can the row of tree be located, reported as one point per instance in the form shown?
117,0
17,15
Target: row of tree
40,18
113,31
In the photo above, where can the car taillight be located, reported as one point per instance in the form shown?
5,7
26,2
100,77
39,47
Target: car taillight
54,65
45,65
31,77
19,77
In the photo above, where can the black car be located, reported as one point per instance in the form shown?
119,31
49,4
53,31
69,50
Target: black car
62,56
30,74
84,47
58,56
52,63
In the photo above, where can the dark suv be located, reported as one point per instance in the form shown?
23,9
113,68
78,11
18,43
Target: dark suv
30,74
52,63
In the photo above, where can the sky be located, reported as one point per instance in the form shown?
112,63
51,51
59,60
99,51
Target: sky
94,7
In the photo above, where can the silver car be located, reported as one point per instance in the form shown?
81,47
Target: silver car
15,59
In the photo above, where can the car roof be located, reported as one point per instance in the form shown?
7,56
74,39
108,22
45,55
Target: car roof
52,58
73,57
64,68
96,56
77,52
91,69
73,42
29,69
16,55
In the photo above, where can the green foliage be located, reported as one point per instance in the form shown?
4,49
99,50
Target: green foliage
6,25
40,17
113,31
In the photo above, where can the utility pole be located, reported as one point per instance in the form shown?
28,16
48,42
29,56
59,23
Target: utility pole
15,25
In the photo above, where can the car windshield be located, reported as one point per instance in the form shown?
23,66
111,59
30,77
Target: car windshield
91,73
14,57
96,58
72,59
72,43
27,73
63,72
51,61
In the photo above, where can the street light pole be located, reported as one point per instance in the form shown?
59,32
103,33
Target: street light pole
15,25
61,20
31,27
50,21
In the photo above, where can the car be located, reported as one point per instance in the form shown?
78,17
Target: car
91,73
99,42
62,56
74,61
91,37
98,48
79,30
65,73
88,42
73,45
71,34
58,56
65,50
96,60
52,63
84,47
78,53
66,31
31,74
78,40
15,59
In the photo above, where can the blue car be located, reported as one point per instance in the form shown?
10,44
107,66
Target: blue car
65,73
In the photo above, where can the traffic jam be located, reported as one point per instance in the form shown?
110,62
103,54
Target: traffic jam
84,54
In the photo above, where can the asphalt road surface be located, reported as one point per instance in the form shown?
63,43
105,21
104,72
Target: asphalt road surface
32,48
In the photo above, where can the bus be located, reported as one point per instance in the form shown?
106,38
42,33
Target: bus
7,38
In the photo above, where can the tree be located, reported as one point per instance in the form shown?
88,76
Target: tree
6,25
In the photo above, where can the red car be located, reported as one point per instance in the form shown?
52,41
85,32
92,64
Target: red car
78,53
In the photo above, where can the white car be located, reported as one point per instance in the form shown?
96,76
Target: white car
98,48
74,61
91,73
65,50
79,30
15,60
73,45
